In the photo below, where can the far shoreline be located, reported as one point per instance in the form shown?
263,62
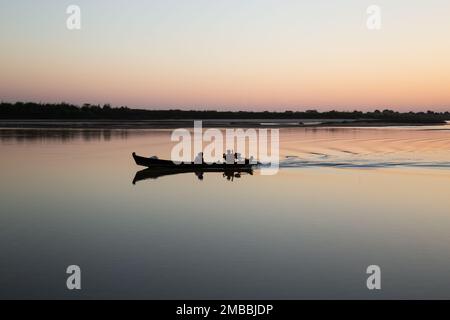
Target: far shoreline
206,123
64,115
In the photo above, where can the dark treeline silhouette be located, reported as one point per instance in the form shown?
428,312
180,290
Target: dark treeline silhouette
65,111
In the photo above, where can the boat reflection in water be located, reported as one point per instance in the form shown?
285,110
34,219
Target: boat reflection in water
155,173
158,168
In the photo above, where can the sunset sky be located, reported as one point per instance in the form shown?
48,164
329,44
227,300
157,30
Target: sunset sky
228,54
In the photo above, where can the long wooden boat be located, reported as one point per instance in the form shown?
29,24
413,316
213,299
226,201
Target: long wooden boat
189,166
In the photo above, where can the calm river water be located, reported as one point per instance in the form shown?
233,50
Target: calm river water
344,199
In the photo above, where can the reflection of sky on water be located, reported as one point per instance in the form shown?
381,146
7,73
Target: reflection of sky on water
303,233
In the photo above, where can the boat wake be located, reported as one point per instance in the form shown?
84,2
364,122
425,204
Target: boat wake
297,162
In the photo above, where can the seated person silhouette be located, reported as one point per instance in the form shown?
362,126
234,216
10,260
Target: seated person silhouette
199,158
239,158
229,157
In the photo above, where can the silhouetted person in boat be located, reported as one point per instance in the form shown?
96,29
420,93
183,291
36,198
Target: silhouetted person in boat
229,157
238,157
199,158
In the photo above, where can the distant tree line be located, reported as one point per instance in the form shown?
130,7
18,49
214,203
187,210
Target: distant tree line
30,110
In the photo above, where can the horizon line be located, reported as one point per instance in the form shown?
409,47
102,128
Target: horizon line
243,109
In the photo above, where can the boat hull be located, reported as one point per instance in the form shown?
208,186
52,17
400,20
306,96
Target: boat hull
158,163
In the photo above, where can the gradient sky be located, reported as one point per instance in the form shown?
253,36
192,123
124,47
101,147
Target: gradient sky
228,54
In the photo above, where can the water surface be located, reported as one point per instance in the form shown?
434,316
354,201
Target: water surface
344,198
